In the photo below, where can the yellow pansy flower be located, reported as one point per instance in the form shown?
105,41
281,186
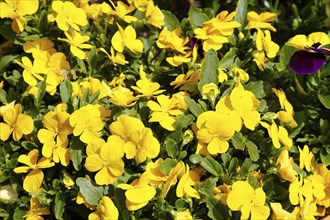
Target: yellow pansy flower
137,195
68,15
221,193
94,85
278,134
260,59
240,104
106,209
187,81
36,212
306,158
77,43
16,10
31,72
286,169
116,58
146,87
172,40
126,38
180,215
279,213
214,130
251,202
43,44
304,42
152,174
107,163
214,33
15,123
176,172
122,10
154,15
240,74
122,96
142,144
261,21
285,115
322,170
55,135
164,112
264,42
6,107
307,210
86,123
186,183
32,182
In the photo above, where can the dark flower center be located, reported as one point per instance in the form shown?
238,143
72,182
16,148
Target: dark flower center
316,45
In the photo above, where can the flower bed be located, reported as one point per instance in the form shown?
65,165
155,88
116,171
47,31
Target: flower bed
120,110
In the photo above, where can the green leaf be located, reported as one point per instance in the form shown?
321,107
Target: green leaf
325,157
259,88
120,199
253,150
90,191
167,165
196,158
59,205
195,108
8,33
228,60
171,148
238,141
3,96
43,21
92,59
184,121
233,165
76,151
170,20
6,61
197,17
66,91
41,90
324,96
209,72
285,55
216,209
241,10
212,166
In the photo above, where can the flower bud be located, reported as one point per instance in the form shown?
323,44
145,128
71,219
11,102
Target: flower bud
8,194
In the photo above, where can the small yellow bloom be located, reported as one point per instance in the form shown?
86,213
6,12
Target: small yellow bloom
164,112
137,196
240,73
36,212
214,130
322,170
77,43
278,134
31,72
250,202
15,123
210,90
122,96
107,163
260,59
43,44
172,40
241,105
6,107
68,15
106,209
286,169
154,15
176,172
16,10
152,174
146,87
32,182
306,158
142,144
122,11
186,183
279,213
86,122
264,42
116,58
261,21
126,38
187,81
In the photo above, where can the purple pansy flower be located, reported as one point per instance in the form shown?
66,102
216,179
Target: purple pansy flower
311,57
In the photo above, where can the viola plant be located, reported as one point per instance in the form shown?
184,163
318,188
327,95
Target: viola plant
138,110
